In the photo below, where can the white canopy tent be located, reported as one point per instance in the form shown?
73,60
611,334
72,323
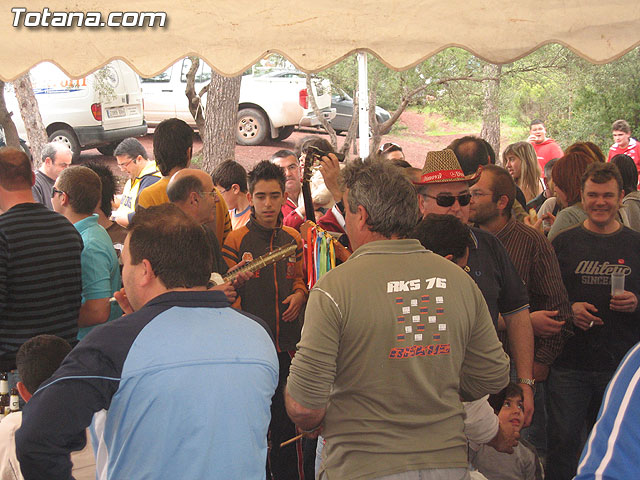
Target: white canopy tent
232,36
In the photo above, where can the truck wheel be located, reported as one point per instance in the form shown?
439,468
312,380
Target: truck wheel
108,149
69,139
285,132
252,127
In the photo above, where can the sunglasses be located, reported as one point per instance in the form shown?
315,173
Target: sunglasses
444,200
386,147
54,190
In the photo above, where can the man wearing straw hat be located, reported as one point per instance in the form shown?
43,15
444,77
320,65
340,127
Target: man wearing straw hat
390,340
444,189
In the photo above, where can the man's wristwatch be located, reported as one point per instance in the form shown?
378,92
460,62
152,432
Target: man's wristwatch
528,381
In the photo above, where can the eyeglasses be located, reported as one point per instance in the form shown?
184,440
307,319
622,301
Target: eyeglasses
126,164
213,193
386,147
448,200
476,194
54,190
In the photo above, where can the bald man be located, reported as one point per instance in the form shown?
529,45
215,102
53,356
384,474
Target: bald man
56,156
192,190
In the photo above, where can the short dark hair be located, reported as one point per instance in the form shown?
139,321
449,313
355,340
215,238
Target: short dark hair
510,391
600,173
536,121
315,141
130,147
83,187
38,358
231,172
284,154
108,181
265,170
490,152
15,169
628,172
502,184
173,243
385,193
471,152
172,140
400,163
548,168
444,235
180,189
621,126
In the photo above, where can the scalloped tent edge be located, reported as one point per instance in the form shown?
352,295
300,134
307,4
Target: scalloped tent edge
315,36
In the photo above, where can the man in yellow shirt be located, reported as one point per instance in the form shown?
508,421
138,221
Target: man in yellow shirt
172,148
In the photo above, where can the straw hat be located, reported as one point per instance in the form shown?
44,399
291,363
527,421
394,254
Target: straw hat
442,166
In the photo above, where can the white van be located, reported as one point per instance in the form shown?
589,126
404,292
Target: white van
99,110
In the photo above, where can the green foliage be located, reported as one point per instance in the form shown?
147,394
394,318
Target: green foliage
577,101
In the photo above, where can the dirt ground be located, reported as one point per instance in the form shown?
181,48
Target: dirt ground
412,139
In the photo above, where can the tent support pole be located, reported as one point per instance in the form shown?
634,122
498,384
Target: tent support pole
363,105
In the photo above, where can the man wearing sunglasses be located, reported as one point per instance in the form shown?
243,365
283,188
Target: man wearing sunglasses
444,189
391,151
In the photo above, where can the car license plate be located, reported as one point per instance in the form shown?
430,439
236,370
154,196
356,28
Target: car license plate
116,112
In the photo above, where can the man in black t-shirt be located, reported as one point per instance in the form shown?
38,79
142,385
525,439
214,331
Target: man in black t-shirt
608,325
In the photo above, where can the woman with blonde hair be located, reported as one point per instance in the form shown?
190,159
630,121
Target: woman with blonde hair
521,162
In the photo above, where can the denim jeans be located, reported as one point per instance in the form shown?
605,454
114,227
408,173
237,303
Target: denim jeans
574,398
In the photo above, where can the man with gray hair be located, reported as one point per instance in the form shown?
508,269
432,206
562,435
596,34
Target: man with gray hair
56,156
384,358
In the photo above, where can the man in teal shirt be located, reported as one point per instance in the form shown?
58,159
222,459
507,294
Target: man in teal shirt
75,195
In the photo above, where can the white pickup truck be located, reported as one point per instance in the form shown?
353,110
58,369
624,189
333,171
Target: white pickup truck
270,106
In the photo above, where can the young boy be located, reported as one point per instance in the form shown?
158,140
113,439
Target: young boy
36,360
523,463
277,293
230,178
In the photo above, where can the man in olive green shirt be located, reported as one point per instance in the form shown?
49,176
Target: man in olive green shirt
392,340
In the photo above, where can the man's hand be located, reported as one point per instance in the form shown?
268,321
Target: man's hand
540,372
242,277
527,393
625,302
532,138
506,438
123,301
295,301
228,290
330,169
583,317
543,323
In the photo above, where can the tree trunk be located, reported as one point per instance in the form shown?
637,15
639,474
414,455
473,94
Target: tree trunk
196,107
30,112
491,110
323,121
221,118
352,133
11,137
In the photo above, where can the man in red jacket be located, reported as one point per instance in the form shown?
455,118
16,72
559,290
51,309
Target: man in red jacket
624,143
546,148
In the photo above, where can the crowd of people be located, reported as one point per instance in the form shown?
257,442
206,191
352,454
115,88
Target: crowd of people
484,325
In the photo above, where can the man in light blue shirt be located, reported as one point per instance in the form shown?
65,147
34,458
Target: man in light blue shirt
75,195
